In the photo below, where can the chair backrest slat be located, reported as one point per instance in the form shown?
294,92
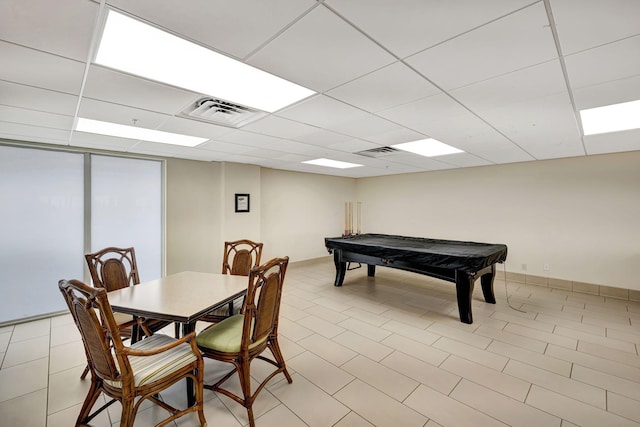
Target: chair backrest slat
113,268
240,256
262,303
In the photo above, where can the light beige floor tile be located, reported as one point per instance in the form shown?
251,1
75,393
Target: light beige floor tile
494,380
458,335
387,380
564,341
292,330
309,402
416,349
26,351
215,412
5,337
320,372
429,375
66,334
365,329
416,334
488,359
408,317
335,304
366,316
29,410
378,408
511,412
358,343
522,321
25,331
66,389
23,379
327,314
608,382
291,312
353,420
447,411
578,413
623,406
320,326
277,417
327,349
512,337
566,386
609,342
552,364
594,362
67,417
577,325
632,336
609,353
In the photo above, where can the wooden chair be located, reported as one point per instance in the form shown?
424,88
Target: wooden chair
244,337
240,257
116,268
132,374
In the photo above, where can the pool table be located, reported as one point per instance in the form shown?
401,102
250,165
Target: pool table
451,260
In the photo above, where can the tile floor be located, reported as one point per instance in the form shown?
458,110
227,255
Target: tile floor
388,351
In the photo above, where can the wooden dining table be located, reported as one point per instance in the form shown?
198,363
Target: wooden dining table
182,297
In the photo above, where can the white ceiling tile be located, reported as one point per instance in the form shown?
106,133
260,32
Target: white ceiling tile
322,111
34,133
320,51
236,28
247,138
64,29
35,68
224,147
121,114
323,138
29,117
292,147
583,24
596,65
396,136
353,146
280,127
29,97
407,26
532,82
612,92
112,86
464,160
614,142
366,126
544,127
385,88
487,52
194,128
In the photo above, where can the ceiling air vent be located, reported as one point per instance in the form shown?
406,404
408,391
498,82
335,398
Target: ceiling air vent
377,152
221,112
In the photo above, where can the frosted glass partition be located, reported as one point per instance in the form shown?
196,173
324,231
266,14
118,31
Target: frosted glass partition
42,229
126,209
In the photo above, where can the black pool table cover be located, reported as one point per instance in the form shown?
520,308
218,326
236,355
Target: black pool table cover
449,254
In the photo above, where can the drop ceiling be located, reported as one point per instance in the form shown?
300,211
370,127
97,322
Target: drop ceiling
502,80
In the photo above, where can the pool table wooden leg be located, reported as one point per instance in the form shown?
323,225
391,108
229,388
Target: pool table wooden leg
341,268
487,285
464,291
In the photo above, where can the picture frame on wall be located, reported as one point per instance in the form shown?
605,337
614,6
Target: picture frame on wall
242,202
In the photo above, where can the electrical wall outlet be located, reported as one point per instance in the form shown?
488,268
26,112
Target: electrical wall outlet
546,267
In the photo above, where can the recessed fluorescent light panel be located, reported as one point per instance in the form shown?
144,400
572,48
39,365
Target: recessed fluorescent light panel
137,48
611,118
332,163
427,147
133,132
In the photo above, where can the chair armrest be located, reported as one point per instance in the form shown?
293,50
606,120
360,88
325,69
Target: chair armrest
189,338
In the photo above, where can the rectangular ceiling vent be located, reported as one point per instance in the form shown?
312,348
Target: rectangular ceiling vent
221,112
377,152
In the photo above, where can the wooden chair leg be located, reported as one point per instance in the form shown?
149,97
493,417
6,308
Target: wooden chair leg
85,372
89,401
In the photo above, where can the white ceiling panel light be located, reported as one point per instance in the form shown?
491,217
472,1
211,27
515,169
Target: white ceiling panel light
133,132
427,147
611,118
332,163
137,48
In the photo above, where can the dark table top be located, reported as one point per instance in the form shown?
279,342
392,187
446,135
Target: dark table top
451,254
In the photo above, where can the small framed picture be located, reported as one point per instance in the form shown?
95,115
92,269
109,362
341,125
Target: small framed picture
242,202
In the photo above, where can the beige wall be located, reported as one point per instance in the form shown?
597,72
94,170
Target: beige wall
578,215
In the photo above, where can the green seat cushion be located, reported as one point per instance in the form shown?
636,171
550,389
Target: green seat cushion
224,336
